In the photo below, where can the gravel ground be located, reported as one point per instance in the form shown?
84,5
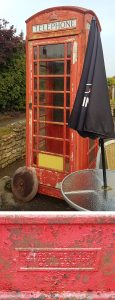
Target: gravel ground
39,203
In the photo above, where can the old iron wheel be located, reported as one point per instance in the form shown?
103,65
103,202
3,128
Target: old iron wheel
25,184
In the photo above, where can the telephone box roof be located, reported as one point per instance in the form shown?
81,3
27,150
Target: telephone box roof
73,8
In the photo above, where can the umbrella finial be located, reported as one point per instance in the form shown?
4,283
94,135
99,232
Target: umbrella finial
93,18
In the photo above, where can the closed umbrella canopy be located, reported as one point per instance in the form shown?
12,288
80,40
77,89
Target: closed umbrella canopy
91,114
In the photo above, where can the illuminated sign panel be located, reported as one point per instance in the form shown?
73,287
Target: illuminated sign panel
59,25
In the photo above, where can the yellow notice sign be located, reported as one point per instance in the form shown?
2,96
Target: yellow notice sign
48,161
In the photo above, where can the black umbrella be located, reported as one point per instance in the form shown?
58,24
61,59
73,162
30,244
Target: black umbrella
91,114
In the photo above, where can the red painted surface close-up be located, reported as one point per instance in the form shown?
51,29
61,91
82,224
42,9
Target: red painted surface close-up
57,256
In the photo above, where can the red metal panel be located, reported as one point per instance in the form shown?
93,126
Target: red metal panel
57,256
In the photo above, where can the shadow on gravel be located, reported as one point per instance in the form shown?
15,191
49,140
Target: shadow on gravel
39,203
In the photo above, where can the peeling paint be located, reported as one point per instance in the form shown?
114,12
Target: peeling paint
56,254
58,185
75,50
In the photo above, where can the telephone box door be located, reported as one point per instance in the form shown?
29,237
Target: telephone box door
52,89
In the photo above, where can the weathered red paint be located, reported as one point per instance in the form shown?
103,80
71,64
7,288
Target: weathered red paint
77,153
57,256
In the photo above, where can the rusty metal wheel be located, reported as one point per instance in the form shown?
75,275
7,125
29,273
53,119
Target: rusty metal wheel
25,183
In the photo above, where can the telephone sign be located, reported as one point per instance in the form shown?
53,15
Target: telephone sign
55,26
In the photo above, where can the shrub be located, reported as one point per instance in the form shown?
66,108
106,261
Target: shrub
12,69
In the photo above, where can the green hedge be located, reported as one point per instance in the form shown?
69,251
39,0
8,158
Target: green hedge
12,85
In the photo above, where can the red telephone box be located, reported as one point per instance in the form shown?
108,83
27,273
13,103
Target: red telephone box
56,43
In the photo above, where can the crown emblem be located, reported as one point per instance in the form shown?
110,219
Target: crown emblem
53,17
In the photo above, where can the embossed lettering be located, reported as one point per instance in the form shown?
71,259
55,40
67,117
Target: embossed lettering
67,259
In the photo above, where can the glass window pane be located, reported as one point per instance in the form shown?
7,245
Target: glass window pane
35,142
35,83
67,164
42,98
68,100
58,115
43,84
67,132
67,115
50,145
51,99
43,68
35,68
67,148
56,67
51,130
69,50
51,115
42,144
43,129
51,83
34,158
35,98
58,84
35,113
35,53
42,114
35,128
68,66
68,83
52,51
58,100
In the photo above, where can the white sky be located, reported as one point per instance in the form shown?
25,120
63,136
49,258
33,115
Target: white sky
17,11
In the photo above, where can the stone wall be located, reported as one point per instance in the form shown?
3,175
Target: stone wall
13,145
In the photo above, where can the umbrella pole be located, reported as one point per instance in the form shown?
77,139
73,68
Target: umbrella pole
101,143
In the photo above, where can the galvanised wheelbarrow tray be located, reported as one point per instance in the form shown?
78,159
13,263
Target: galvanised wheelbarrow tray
67,255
